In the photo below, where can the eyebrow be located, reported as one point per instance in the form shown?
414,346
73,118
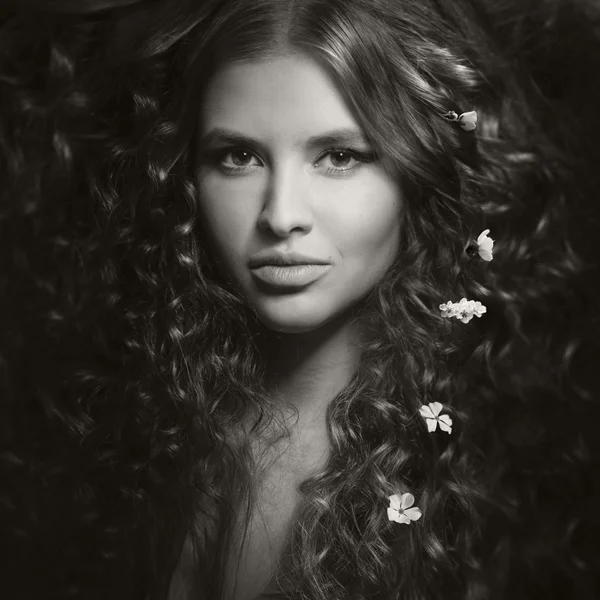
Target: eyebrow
337,137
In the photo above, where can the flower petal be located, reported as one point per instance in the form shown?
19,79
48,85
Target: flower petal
426,412
414,514
393,515
407,500
487,244
468,120
403,519
482,235
395,501
485,255
445,427
431,425
436,407
445,419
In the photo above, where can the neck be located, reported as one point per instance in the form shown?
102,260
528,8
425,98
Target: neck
307,370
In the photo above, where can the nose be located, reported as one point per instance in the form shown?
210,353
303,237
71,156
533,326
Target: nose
286,205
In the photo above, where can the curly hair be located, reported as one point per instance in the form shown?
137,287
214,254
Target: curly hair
126,362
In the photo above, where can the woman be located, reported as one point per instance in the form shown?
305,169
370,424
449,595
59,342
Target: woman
198,423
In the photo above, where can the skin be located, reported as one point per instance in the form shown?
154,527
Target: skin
285,195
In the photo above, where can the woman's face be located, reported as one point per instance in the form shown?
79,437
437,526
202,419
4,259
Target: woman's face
284,169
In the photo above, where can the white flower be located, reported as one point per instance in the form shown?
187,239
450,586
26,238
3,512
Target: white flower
400,511
485,245
464,310
468,120
431,413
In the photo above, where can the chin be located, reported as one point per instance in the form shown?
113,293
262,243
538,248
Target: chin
292,321
290,325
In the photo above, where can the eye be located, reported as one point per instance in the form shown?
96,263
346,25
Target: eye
345,160
240,159
341,159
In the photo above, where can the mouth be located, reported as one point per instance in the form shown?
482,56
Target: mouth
290,277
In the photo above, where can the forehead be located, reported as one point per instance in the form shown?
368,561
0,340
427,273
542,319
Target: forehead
288,96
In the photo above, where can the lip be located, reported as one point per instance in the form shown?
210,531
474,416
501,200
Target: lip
284,259
290,276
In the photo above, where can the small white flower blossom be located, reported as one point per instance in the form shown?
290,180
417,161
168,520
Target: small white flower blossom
468,120
431,413
464,310
400,510
485,245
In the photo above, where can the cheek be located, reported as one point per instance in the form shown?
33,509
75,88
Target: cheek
366,223
227,219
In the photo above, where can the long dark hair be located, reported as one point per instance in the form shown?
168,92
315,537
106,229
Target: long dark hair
126,362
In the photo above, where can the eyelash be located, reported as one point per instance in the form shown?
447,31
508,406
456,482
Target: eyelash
362,158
